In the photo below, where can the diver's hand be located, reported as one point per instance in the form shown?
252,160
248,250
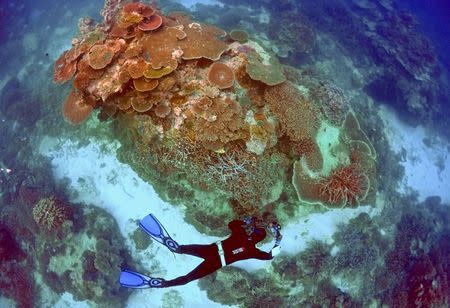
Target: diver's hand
275,251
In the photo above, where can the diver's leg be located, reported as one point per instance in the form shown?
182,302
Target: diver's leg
201,251
205,268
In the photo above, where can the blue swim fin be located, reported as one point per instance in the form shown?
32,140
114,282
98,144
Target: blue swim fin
155,229
130,279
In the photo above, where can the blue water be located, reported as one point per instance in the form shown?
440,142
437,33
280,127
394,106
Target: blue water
382,55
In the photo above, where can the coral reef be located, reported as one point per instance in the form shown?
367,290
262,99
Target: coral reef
211,120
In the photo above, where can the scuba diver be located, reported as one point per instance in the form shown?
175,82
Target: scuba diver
240,245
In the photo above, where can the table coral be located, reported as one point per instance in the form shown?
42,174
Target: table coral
220,75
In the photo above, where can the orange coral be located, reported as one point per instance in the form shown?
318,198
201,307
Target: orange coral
202,42
220,75
150,23
64,70
298,117
159,46
100,56
75,110
143,85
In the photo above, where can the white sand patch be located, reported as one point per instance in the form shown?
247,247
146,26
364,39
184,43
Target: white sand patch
426,157
67,301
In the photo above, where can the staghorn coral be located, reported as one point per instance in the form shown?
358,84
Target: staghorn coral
50,213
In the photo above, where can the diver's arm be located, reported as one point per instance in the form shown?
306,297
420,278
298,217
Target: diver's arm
275,228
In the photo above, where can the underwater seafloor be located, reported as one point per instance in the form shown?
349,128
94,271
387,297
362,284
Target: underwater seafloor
334,122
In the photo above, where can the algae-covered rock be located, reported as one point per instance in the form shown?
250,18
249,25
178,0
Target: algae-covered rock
88,263
140,239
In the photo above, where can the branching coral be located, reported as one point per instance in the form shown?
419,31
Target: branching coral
50,213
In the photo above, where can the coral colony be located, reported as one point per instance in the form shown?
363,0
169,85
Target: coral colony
215,109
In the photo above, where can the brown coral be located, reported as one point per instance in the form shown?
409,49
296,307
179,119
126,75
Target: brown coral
296,114
159,46
270,73
100,56
162,110
240,36
202,42
220,75
50,213
150,23
143,85
63,69
218,122
75,110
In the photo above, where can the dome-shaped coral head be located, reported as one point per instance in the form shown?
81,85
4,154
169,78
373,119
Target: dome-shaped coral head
50,213
150,23
64,70
75,108
100,56
220,75
346,185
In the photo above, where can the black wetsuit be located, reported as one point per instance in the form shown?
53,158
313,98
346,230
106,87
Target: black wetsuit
238,246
